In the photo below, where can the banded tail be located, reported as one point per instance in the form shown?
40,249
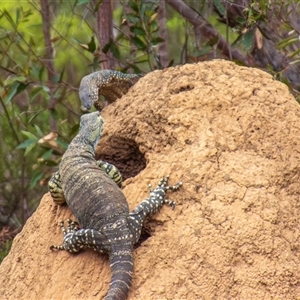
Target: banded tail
121,265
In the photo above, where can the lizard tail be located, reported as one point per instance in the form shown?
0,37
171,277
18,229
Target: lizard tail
121,265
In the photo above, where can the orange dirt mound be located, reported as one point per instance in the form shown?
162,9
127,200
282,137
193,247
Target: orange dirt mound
231,134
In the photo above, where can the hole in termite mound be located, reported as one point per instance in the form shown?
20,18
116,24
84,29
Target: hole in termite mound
123,153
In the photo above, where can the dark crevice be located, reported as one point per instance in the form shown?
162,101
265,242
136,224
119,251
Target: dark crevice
145,234
123,153
183,88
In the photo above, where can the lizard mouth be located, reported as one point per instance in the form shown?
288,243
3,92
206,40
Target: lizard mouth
85,108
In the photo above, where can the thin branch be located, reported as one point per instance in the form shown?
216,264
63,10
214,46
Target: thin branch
203,28
10,121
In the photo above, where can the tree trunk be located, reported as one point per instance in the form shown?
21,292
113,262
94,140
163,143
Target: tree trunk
163,46
49,59
105,34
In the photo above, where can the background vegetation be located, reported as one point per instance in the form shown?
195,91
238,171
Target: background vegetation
46,47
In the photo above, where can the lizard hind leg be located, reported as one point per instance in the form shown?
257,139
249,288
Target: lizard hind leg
150,206
68,243
162,188
76,239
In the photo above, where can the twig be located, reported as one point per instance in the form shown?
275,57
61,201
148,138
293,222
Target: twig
204,28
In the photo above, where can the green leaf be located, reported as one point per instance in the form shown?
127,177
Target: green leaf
154,27
263,5
138,30
8,16
237,40
17,15
16,88
80,2
61,76
50,163
34,92
240,20
220,7
157,40
143,8
142,58
106,47
92,45
113,48
25,144
170,64
42,90
47,154
12,92
62,144
97,5
294,54
115,51
286,42
38,131
29,135
248,40
29,148
133,18
135,68
37,175
96,62
138,43
22,87
12,79
36,70
46,89
133,6
287,26
33,117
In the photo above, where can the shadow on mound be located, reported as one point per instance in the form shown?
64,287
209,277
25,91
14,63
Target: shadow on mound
123,153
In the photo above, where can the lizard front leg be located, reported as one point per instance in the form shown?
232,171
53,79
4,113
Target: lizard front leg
57,192
150,206
111,170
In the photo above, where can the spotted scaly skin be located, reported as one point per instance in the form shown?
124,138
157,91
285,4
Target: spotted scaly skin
101,208
108,83
55,188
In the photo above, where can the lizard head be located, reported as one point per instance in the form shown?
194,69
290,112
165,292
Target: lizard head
88,93
91,126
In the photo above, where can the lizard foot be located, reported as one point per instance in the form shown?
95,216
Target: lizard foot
163,185
76,239
72,228
150,206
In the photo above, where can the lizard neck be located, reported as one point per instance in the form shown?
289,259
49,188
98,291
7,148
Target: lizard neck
81,145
